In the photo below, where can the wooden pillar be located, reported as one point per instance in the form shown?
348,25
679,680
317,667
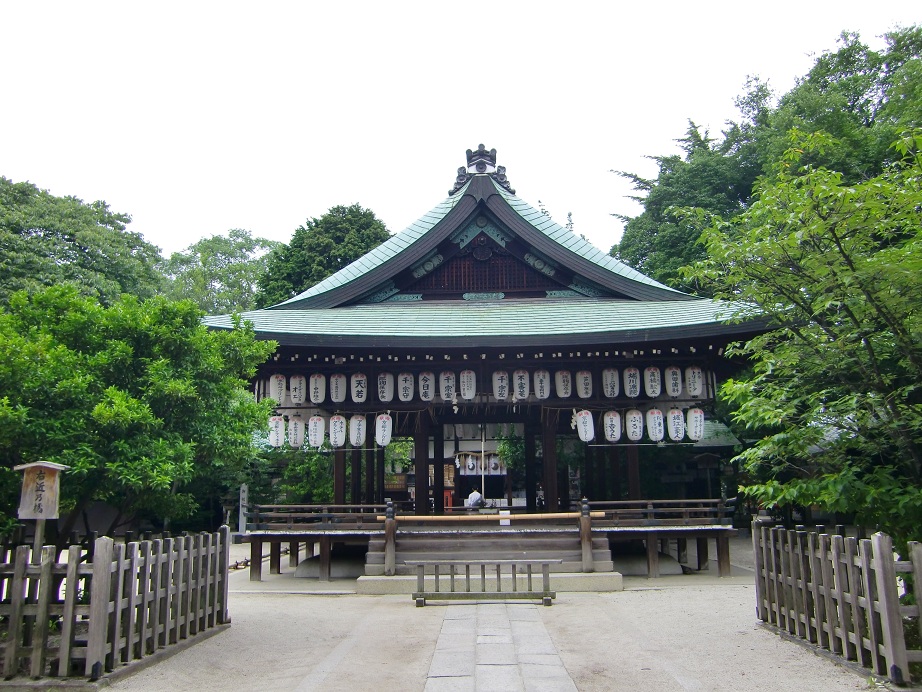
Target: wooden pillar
275,557
614,458
702,545
369,445
421,461
325,556
256,558
601,475
531,450
438,458
633,473
723,554
652,555
549,452
379,473
339,476
587,474
355,497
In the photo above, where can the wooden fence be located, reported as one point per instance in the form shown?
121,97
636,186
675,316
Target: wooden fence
99,610
841,594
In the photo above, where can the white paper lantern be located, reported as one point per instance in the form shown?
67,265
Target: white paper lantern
500,385
584,384
542,384
675,424
655,428
585,426
337,430
632,382
276,431
468,384
563,384
385,386
277,387
297,389
520,389
383,424
295,431
652,384
447,387
426,386
405,386
611,422
611,387
318,388
315,430
357,431
673,377
694,381
694,423
359,383
633,425
338,388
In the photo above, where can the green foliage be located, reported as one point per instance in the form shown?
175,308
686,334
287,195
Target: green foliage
47,241
307,475
220,274
318,249
836,389
863,98
138,399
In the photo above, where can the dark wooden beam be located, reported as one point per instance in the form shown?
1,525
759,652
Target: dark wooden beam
339,476
421,461
549,455
438,490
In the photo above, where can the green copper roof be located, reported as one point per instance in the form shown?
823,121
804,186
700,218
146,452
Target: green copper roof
389,249
573,242
493,323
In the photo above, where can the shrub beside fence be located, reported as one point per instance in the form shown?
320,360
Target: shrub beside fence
842,594
105,608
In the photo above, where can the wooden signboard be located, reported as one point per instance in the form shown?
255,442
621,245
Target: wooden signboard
39,499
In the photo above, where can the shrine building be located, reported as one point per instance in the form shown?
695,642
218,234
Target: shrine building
485,317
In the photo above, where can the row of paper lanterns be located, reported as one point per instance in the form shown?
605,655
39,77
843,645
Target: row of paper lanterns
518,387
675,423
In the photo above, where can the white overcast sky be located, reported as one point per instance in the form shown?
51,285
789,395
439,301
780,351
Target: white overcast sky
195,117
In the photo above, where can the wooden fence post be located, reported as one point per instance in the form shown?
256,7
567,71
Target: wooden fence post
890,620
223,567
585,536
100,593
390,541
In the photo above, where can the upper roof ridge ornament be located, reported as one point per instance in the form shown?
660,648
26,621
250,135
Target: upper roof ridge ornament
481,162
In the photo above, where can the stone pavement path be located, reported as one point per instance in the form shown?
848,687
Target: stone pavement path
496,647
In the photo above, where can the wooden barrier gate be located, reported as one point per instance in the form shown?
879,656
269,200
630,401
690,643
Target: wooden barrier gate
123,603
840,594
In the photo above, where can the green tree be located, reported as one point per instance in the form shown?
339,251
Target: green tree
47,240
318,249
836,389
220,274
139,399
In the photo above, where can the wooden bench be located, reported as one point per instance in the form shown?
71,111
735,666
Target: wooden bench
545,595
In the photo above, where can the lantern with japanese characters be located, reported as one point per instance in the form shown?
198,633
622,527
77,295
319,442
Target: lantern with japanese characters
542,384
295,431
563,384
584,384
520,388
633,425
359,386
447,385
673,377
315,430
468,384
675,424
426,386
632,382
383,427
611,424
652,384
337,388
694,380
318,388
357,431
405,386
276,431
655,427
277,387
297,389
694,421
385,386
337,430
611,387
500,385
585,426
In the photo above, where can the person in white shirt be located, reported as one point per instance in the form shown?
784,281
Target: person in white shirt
475,499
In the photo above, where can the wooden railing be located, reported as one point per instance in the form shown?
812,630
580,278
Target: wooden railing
507,586
109,607
841,594
295,517
664,512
